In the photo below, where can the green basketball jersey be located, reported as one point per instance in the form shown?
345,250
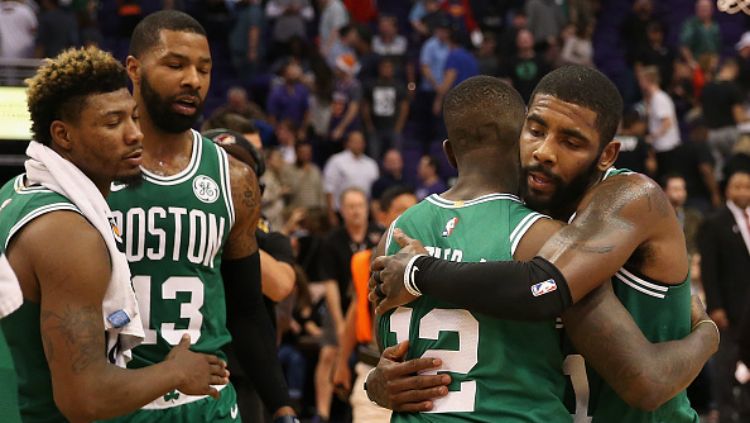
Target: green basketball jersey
663,314
20,205
502,371
173,231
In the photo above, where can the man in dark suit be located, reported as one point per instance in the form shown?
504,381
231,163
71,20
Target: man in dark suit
724,244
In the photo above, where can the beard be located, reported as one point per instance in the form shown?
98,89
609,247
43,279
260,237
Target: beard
133,181
161,113
566,195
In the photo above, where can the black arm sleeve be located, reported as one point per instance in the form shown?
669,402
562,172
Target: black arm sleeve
250,325
534,290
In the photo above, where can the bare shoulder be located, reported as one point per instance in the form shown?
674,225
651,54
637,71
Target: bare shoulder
632,196
246,197
536,237
63,250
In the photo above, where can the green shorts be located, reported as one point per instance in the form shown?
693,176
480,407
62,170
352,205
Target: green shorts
8,387
185,409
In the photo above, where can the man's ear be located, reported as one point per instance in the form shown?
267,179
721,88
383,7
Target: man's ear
448,150
133,67
609,155
60,135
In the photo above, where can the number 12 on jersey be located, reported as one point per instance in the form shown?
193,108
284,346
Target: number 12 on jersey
189,310
461,361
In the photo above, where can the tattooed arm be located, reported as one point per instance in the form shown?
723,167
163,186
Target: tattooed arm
620,215
643,374
63,263
250,325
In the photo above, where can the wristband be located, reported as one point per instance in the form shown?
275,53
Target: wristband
409,271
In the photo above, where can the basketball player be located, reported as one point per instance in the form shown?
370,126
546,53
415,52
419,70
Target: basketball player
82,112
189,228
622,220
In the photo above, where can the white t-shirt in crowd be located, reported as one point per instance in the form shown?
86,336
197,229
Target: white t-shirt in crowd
345,170
660,107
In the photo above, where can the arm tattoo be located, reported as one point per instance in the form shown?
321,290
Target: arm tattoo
76,328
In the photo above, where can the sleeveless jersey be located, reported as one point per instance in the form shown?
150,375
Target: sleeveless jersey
20,205
662,312
173,230
502,371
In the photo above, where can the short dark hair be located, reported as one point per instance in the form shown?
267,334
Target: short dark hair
630,118
392,193
432,162
668,177
589,88
60,86
146,33
231,121
483,110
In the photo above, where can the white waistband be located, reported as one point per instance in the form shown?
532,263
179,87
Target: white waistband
176,398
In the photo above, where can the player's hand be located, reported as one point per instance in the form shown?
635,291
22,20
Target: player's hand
199,371
387,289
342,380
720,317
396,384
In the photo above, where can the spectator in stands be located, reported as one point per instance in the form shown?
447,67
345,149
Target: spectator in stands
245,39
577,48
388,42
432,59
694,163
276,189
459,66
238,103
723,110
350,168
333,16
526,68
429,178
461,18
425,17
335,271
18,24
384,110
546,20
743,60
656,53
286,137
368,60
320,103
724,244
58,29
306,181
740,160
392,174
507,43
700,34
635,153
635,29
690,219
290,100
289,20
358,331
345,105
489,63
663,132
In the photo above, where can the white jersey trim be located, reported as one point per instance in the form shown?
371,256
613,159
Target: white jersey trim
389,234
161,404
439,201
36,213
20,188
640,285
523,226
226,183
183,175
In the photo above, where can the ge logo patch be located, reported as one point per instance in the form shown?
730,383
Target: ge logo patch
205,189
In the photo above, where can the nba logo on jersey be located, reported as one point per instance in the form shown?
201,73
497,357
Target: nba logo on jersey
449,227
544,287
205,189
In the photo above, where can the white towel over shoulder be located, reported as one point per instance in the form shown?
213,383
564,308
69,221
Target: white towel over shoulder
10,292
120,309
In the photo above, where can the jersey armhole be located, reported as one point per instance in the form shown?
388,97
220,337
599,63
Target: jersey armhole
226,183
523,226
389,235
36,213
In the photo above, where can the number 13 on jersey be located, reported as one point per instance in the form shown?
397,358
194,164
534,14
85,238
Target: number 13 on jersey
189,311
